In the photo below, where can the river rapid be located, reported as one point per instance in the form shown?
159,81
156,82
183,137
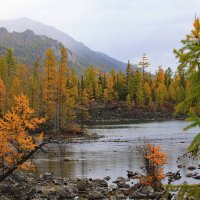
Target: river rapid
115,153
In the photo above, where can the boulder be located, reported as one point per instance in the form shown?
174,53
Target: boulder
180,166
68,159
129,173
120,196
104,191
157,194
107,178
135,175
196,177
191,168
114,187
170,174
94,135
101,182
95,195
191,174
137,195
119,179
67,194
121,184
147,190
57,182
138,176
83,185
127,185
177,177
71,188
47,176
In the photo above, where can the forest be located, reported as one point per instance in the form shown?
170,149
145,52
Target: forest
49,97
56,92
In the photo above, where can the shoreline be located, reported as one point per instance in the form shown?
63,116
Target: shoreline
113,114
128,121
25,186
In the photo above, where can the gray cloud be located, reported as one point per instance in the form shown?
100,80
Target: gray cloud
123,29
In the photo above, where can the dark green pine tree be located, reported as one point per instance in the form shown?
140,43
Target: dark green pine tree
189,60
129,75
168,77
11,65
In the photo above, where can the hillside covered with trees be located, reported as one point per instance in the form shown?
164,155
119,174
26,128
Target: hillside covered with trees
28,47
84,56
59,94
45,102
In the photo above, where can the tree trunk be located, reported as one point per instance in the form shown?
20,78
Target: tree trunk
23,159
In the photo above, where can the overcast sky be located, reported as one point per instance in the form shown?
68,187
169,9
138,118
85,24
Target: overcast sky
123,29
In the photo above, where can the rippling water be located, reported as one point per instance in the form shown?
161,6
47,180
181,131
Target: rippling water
115,153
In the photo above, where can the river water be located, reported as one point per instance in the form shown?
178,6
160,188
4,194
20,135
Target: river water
115,153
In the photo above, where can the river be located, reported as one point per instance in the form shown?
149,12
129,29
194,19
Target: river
115,153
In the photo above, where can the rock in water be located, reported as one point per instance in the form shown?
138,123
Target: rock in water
191,168
180,166
190,175
101,183
196,177
107,178
47,176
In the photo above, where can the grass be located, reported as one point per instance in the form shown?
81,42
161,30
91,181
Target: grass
189,192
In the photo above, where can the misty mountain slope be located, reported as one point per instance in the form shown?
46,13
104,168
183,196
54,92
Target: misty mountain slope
28,46
84,55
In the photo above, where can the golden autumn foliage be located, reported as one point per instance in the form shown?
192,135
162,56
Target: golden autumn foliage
147,93
154,161
156,156
2,94
49,84
17,134
196,31
189,63
55,90
129,103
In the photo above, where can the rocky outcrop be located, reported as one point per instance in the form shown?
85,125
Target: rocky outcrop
119,112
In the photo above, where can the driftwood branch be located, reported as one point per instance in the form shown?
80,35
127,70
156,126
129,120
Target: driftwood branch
171,179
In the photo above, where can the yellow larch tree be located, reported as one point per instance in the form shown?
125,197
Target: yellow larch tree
50,86
16,143
147,93
2,97
153,159
160,88
109,87
61,90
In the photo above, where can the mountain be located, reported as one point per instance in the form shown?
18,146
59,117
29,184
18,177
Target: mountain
28,46
85,56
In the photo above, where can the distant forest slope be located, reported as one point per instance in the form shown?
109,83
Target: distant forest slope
84,55
29,46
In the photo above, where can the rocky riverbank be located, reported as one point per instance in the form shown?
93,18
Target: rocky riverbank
120,112
24,186
85,137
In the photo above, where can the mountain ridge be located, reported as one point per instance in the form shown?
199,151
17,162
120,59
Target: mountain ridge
28,46
84,54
